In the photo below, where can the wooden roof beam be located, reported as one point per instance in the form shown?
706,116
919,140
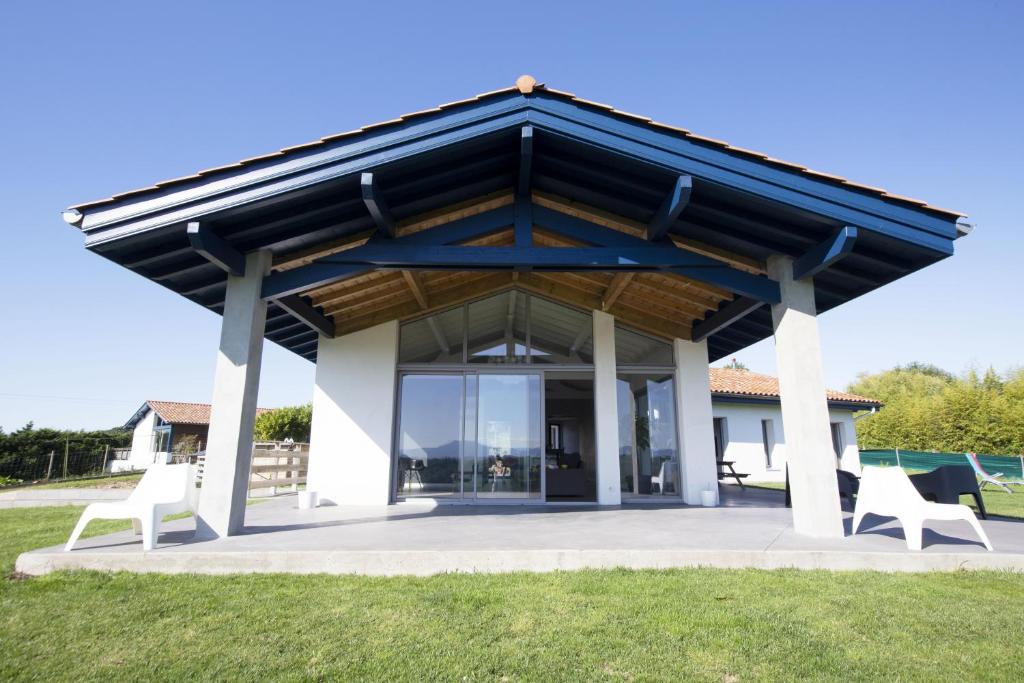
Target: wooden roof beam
726,315
215,250
618,284
671,208
824,254
376,206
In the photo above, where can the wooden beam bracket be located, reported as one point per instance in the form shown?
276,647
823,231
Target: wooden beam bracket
376,206
215,250
725,316
671,208
825,254
306,313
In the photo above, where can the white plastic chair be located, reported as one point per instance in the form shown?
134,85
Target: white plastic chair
163,490
887,491
666,475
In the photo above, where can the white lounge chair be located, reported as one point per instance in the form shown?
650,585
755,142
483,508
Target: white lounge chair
987,478
163,490
887,491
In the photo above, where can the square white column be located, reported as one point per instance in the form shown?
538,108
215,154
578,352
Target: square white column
694,420
805,418
233,411
353,417
606,411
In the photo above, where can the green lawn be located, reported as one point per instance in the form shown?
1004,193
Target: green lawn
700,624
997,501
114,481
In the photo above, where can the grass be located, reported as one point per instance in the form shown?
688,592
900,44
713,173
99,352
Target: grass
104,482
997,501
699,624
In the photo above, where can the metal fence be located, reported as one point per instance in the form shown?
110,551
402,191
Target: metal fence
1012,466
56,464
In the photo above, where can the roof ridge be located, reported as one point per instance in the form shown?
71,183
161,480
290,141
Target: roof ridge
526,86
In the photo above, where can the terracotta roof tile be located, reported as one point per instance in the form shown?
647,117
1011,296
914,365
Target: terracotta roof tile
551,91
186,413
746,383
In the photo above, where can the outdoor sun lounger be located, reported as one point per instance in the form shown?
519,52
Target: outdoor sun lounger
887,491
163,490
987,478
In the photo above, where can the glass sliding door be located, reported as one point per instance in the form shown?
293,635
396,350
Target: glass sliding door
508,436
430,436
469,436
648,454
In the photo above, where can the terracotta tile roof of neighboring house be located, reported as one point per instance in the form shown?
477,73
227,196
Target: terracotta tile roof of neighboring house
745,383
186,413
526,85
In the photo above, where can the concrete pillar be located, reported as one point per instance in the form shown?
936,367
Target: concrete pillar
233,412
353,417
606,411
694,420
812,467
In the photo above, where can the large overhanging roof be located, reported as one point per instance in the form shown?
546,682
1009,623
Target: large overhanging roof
527,188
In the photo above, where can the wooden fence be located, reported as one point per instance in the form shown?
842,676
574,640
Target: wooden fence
275,464
278,465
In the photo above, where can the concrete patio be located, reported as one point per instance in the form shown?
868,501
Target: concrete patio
751,529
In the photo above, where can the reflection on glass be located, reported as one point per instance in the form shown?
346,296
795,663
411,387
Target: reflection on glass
497,329
430,436
648,453
508,436
633,348
434,339
559,334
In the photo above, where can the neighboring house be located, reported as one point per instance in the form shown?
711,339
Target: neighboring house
159,428
748,424
516,297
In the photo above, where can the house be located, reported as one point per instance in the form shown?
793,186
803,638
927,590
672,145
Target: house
748,425
161,428
515,298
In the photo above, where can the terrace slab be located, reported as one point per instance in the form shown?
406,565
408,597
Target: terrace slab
749,531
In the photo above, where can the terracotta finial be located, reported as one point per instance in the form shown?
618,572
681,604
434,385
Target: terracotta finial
526,83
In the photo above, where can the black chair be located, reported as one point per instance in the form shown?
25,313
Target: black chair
849,485
947,483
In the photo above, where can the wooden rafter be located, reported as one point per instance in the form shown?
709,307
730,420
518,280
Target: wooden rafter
416,287
615,289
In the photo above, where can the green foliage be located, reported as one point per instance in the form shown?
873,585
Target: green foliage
187,445
292,422
24,452
735,365
8,481
929,409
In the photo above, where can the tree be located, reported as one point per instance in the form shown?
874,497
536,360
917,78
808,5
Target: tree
292,422
927,408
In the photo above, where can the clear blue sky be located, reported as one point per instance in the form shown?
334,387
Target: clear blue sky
924,99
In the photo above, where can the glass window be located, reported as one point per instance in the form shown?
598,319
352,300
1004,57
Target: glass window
768,440
497,329
838,442
648,452
162,440
559,334
633,348
434,339
430,436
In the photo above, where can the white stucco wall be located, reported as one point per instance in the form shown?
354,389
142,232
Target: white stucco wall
353,416
142,445
744,443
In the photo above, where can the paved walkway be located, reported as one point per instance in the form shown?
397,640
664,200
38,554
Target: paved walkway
33,497
750,530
